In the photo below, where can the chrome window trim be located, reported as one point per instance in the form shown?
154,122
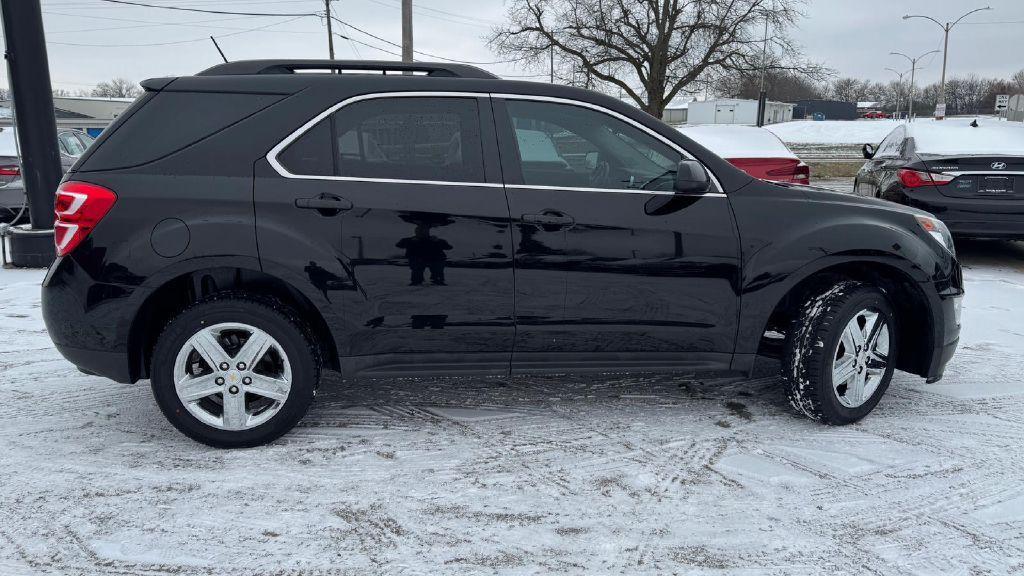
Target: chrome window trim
276,150
297,133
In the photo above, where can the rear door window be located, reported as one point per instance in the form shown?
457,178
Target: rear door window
404,138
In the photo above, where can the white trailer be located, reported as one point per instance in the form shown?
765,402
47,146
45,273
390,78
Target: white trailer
736,111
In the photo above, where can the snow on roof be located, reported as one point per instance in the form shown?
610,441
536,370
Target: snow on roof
732,141
957,136
868,104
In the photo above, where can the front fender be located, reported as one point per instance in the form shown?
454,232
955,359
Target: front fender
804,235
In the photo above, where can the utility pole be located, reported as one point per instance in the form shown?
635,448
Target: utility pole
899,89
551,69
913,70
330,33
940,108
406,30
762,97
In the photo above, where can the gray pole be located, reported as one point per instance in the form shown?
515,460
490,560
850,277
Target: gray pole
762,96
941,105
330,33
942,86
551,69
913,70
406,30
29,74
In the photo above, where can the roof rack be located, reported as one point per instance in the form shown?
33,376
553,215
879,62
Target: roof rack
245,67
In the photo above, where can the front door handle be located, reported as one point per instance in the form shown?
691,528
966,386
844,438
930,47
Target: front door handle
326,204
550,220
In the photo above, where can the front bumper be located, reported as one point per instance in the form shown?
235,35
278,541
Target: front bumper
947,322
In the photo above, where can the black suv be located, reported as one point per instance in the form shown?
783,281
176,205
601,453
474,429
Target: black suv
236,232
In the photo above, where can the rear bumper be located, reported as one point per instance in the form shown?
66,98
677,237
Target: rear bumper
88,321
972,217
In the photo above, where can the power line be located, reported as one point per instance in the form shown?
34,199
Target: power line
428,54
367,45
210,11
203,39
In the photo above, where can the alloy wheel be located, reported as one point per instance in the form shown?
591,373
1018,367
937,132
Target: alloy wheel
861,358
232,376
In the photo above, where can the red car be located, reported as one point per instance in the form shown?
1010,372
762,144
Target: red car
874,115
754,150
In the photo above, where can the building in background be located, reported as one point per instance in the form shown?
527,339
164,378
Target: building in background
863,107
828,109
736,111
675,113
85,113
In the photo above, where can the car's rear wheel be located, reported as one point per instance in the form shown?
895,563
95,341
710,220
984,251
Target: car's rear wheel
841,352
235,371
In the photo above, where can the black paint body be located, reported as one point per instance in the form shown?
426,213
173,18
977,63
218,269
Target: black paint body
436,278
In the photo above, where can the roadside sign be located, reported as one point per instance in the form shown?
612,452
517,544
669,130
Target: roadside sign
940,110
1002,102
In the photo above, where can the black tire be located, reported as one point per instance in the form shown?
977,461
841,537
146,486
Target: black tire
268,315
811,344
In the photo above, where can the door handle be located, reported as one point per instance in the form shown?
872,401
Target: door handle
325,203
550,219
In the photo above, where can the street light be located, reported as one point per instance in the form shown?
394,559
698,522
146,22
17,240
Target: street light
913,69
940,109
899,88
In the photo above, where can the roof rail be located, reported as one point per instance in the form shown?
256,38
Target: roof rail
244,67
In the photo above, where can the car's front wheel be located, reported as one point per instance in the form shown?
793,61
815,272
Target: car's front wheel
840,352
235,371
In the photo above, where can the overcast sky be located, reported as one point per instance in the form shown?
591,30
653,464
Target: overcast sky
853,37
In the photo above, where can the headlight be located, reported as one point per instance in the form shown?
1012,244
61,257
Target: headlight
936,229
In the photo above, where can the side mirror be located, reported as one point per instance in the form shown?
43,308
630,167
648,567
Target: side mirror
868,151
691,178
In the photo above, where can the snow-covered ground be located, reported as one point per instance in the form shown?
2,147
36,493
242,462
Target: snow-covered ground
583,475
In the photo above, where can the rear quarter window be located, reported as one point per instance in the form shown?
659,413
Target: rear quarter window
170,122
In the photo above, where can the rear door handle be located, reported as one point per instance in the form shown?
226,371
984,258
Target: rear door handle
325,203
550,219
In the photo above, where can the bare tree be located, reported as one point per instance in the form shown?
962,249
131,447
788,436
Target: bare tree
1017,80
650,50
781,84
117,88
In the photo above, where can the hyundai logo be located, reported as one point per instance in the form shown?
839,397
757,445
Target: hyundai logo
999,165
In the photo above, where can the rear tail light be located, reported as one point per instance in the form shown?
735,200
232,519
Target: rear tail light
917,178
802,173
10,170
79,207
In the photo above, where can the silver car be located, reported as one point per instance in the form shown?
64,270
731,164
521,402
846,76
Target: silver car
72,144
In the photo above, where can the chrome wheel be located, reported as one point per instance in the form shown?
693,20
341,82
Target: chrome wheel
232,376
861,358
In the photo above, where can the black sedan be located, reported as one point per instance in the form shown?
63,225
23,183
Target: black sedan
969,173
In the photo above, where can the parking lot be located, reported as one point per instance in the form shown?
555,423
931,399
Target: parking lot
609,474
